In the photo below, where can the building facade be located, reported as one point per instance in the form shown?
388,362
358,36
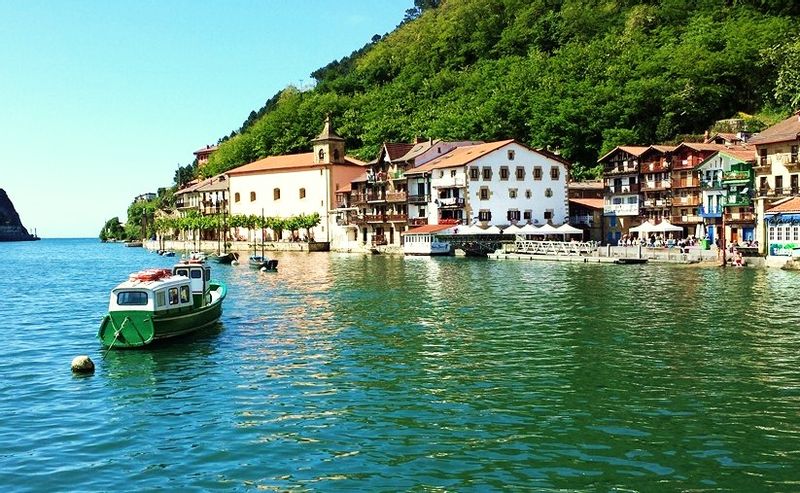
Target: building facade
621,197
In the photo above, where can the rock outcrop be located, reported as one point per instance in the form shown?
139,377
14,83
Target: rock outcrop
11,228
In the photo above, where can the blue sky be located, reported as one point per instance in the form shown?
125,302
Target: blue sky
102,100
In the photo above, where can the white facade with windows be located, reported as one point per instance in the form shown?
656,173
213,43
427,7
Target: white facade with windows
497,183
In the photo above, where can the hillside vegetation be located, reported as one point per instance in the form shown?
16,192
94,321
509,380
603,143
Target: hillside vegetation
577,76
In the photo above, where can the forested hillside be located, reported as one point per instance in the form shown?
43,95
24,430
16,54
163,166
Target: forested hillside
577,76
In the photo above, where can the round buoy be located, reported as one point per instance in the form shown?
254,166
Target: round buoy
82,364
235,262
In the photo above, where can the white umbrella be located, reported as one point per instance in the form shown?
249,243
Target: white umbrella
547,229
467,230
665,227
569,230
513,229
644,228
528,229
491,230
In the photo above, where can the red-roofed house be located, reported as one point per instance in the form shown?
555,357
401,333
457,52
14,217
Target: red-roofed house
726,181
777,170
202,155
621,180
284,186
495,183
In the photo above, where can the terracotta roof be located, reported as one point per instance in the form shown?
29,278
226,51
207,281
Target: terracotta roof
590,203
361,178
702,146
213,184
459,156
748,156
791,205
418,149
396,150
429,228
345,188
205,150
635,150
289,161
788,129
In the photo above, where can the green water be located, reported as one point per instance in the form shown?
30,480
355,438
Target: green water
372,373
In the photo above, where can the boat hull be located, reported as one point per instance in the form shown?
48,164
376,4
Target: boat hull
131,329
263,263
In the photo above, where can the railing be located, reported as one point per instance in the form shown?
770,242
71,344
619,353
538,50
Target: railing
376,197
451,202
586,219
657,203
707,212
740,217
659,167
535,247
633,188
449,221
621,209
418,221
375,218
396,196
655,185
711,184
358,198
377,177
686,183
419,199
736,176
690,201
396,218
738,199
762,166
687,219
621,169
450,183
689,163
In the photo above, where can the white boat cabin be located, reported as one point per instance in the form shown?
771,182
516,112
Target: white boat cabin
161,289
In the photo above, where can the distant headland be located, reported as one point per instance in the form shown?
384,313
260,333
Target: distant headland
11,228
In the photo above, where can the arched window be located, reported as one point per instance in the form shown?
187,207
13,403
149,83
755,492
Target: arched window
302,193
322,154
510,154
236,197
276,193
548,192
336,154
252,196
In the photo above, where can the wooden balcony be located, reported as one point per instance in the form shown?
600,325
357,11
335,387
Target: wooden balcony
418,221
358,198
375,218
740,217
396,196
623,189
686,183
656,203
654,186
687,219
659,167
419,199
451,203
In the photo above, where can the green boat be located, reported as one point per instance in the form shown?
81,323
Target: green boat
157,304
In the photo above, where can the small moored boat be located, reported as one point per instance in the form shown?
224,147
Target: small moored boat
226,258
160,303
263,263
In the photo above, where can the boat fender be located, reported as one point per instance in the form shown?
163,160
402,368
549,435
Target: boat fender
82,364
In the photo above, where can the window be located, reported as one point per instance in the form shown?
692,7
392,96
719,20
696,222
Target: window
302,193
548,192
236,197
185,294
473,173
762,154
276,194
196,274
793,155
321,154
487,173
483,193
548,214
527,215
441,174
537,172
161,298
452,173
510,154
513,215
528,194
484,215
173,296
252,196
132,298
520,173
512,193
554,172
504,173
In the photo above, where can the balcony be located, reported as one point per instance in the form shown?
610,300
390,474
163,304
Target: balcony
736,176
419,199
449,221
451,203
738,199
711,184
621,209
659,167
647,186
762,166
691,183
657,203
375,218
418,221
358,198
450,182
378,177
690,201
586,219
375,197
740,217
396,218
688,163
633,188
396,196
710,212
687,219
621,169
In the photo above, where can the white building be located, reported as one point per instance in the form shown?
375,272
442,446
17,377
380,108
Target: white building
494,183
289,185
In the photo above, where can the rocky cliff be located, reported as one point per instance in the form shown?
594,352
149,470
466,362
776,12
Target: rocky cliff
11,228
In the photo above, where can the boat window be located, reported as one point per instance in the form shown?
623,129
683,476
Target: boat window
197,274
132,298
161,298
184,294
173,296
208,274
182,272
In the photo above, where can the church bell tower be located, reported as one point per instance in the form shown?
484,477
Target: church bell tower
328,147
